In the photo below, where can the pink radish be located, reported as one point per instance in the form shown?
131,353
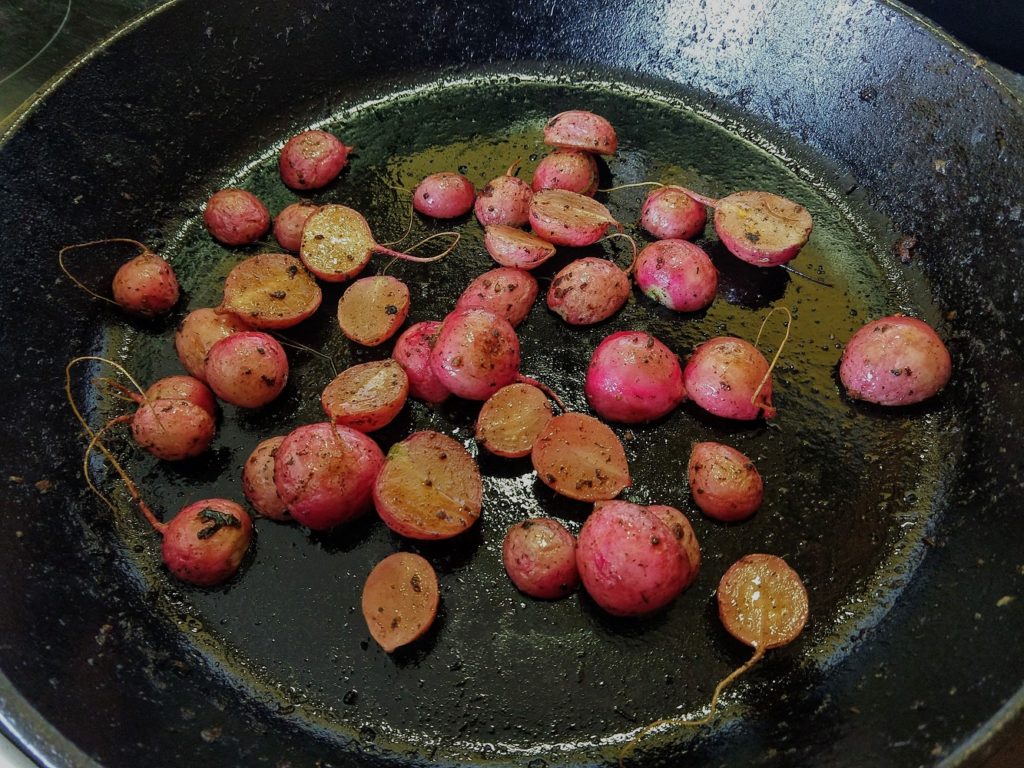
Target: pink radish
896,360
728,377
507,292
337,244
588,291
476,353
258,481
504,200
144,285
205,542
412,351
248,369
372,309
760,228
629,561
578,129
179,388
324,473
568,218
236,217
198,332
568,169
683,532
271,290
444,195
725,484
511,420
368,396
677,274
289,223
512,247
633,378
312,159
173,429
669,213
539,556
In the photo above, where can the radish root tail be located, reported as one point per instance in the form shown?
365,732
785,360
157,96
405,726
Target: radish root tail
685,722
543,388
89,244
423,259
754,399
634,185
710,202
632,243
805,276
408,228
296,345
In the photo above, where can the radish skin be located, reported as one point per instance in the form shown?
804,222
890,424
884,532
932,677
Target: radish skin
476,353
633,378
677,274
723,375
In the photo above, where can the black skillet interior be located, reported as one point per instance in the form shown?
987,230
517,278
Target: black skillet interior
902,524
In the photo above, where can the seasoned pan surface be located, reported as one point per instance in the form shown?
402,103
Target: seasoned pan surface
866,504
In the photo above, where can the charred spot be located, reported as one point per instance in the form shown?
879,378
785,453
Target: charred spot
551,479
655,541
391,309
318,237
394,622
442,456
293,270
428,483
270,381
752,236
414,582
261,351
526,525
278,295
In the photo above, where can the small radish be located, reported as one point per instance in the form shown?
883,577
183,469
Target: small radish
677,274
633,378
258,481
312,159
476,353
512,247
368,396
896,360
428,488
198,332
578,456
683,532
400,600
629,561
568,169
180,388
205,542
725,484
412,351
671,214
144,285
236,217
324,474
762,603
760,228
248,369
539,556
505,291
578,129
271,290
372,309
173,429
504,200
568,218
511,420
588,291
337,244
728,377
289,223
444,195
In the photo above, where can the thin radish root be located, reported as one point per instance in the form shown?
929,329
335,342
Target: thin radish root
634,185
628,270
775,359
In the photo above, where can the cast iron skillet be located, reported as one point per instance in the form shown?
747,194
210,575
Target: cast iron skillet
893,129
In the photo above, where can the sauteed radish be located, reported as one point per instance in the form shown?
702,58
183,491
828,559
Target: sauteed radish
725,484
568,218
205,542
504,200
400,600
289,222
412,351
368,396
580,129
248,369
258,480
271,290
145,285
507,292
539,556
372,309
198,332
236,217
588,291
677,274
568,169
633,378
670,213
512,247
476,353
444,195
312,159
581,458
511,420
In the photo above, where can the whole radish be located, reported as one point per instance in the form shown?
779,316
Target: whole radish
324,474
588,291
539,556
568,218
725,484
728,377
633,378
289,223
677,274
312,159
568,169
412,351
476,353
629,561
504,200
894,361
146,286
507,292
236,217
248,369
669,213
180,388
579,129
205,542
173,429
444,195
198,332
512,247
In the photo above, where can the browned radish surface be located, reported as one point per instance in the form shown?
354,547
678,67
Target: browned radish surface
400,600
372,309
429,487
272,290
762,602
580,457
511,420
367,396
762,228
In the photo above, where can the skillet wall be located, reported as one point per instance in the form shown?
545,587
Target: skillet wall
194,88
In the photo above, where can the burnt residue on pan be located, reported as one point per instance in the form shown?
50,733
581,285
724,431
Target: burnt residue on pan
850,489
